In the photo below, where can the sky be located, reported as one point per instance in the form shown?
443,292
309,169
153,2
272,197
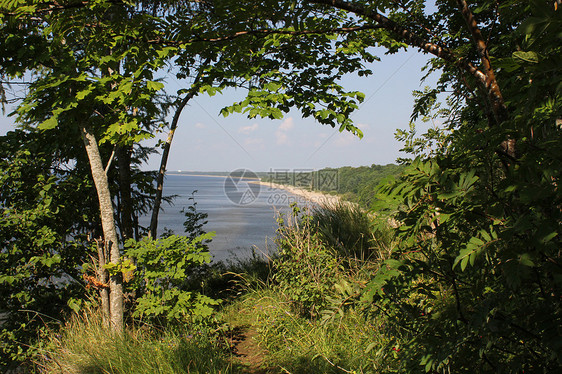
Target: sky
206,141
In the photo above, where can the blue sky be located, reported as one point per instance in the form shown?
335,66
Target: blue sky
206,141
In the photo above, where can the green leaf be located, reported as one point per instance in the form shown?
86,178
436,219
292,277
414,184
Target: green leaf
82,94
531,57
154,86
525,259
49,124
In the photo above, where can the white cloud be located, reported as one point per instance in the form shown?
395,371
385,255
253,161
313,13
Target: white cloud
284,127
254,141
287,124
200,125
345,139
248,129
282,138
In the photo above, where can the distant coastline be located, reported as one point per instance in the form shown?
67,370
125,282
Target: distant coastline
205,174
314,197
197,175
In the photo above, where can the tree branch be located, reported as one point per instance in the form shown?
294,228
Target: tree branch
407,36
165,153
263,32
490,82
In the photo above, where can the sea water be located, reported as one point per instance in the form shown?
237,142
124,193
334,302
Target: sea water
243,216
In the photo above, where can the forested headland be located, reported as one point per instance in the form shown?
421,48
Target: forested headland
355,184
459,270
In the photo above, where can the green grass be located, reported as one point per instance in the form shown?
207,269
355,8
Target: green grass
332,334
296,344
84,345
263,300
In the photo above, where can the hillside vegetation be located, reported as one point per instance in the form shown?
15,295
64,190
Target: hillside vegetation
456,268
355,184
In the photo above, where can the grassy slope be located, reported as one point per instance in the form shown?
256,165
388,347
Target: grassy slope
296,314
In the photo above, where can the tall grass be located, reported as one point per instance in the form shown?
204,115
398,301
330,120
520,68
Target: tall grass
296,344
86,346
309,317
351,231
303,309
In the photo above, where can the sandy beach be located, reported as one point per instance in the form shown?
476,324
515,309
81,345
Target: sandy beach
314,197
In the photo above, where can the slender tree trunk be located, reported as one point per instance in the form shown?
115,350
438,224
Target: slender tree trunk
126,211
166,152
126,208
111,241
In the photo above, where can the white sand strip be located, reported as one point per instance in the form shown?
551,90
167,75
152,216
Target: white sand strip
314,197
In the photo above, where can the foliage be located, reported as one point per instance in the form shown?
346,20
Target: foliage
346,228
46,210
163,265
358,184
306,267
194,219
475,283
267,48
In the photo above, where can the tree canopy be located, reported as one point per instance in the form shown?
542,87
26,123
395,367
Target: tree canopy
479,206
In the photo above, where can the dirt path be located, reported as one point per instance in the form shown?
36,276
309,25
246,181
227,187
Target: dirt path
247,352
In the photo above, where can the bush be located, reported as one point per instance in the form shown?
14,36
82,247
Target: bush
164,267
346,228
306,267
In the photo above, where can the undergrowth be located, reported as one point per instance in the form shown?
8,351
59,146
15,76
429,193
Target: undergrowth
308,316
298,344
86,345
303,306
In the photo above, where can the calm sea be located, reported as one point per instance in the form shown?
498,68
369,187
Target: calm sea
242,214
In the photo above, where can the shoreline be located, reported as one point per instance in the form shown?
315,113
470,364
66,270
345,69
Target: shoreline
315,197
206,175
196,175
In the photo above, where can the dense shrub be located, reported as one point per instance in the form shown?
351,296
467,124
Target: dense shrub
306,267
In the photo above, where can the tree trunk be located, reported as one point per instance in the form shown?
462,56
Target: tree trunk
166,152
126,211
103,278
492,88
108,225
